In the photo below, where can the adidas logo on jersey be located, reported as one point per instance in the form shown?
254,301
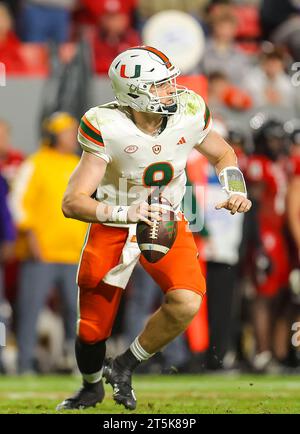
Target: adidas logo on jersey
181,141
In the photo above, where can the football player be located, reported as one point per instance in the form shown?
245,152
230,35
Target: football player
140,141
293,205
267,180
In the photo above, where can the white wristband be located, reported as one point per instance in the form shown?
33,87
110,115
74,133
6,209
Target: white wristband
119,214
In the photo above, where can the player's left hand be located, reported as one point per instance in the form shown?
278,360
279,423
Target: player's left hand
236,203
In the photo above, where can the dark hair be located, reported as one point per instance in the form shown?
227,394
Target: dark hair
274,54
223,16
216,75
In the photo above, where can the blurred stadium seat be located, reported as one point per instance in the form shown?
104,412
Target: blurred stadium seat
248,21
248,30
35,57
197,83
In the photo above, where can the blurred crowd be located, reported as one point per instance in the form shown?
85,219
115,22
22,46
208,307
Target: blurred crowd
251,262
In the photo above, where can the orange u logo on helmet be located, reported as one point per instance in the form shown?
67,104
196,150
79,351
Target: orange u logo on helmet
137,72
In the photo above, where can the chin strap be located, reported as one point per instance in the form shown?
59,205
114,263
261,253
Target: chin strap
232,181
166,110
171,108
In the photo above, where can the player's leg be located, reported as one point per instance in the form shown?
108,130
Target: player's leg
267,292
180,277
98,304
282,320
262,316
170,320
98,308
140,303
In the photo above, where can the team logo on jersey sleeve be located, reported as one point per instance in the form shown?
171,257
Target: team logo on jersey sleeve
131,149
156,149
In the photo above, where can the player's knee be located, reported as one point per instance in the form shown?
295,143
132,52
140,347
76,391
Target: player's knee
91,332
190,308
183,305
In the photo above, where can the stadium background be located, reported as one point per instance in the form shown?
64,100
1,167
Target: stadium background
242,57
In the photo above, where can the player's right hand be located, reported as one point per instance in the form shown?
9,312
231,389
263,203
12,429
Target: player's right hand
144,212
236,203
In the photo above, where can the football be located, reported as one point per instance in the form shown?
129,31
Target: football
155,242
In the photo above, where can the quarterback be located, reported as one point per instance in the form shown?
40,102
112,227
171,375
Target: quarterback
138,142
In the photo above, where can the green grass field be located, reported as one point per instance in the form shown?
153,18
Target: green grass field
162,394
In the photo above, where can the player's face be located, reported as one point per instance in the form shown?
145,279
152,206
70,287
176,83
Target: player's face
165,91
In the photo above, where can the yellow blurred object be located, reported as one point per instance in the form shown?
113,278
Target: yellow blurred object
36,205
55,124
58,122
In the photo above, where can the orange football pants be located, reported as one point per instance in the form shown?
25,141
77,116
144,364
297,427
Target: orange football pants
99,302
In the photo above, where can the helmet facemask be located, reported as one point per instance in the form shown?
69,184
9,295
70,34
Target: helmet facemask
156,103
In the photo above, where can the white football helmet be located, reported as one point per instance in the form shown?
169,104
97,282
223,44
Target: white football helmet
135,70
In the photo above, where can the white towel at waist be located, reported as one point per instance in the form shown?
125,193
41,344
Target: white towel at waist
120,274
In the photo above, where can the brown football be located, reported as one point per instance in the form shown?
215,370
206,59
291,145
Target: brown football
155,242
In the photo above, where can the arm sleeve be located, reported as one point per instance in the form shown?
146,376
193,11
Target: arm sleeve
90,137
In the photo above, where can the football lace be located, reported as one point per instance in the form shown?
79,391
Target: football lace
154,230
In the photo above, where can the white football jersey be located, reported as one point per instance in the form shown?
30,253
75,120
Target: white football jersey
136,160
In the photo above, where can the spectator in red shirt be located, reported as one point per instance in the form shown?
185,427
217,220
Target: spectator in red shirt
92,10
9,43
113,34
10,159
